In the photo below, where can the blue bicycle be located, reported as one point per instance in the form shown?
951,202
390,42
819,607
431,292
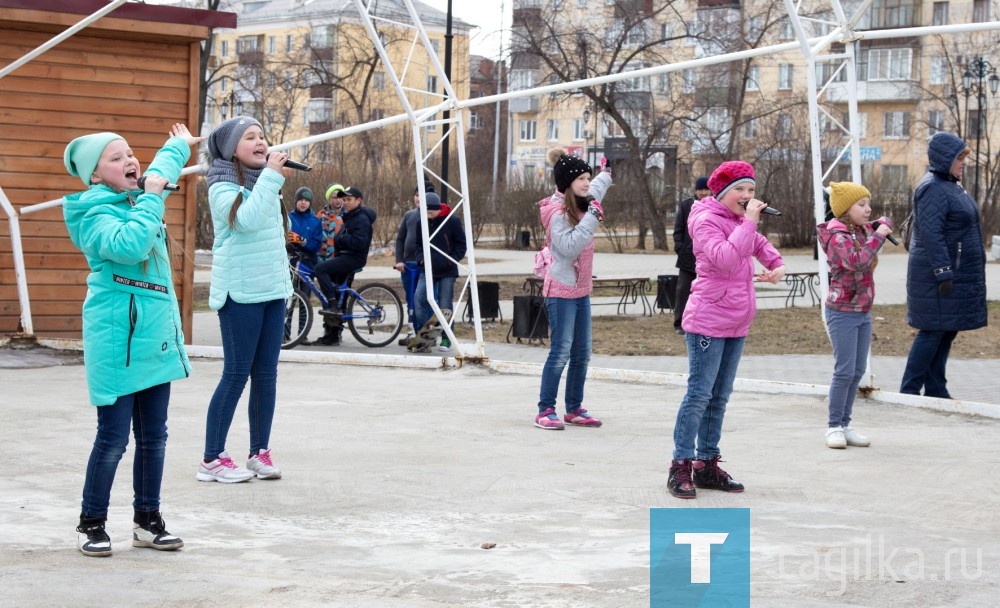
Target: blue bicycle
374,315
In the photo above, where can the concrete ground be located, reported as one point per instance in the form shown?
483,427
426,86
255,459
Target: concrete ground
396,479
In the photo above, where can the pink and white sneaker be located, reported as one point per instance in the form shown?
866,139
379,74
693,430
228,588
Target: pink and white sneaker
261,465
582,417
223,470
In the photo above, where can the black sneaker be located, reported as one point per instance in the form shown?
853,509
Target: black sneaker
150,531
93,539
679,483
708,475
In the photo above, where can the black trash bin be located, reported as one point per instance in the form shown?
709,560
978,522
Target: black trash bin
489,302
530,319
666,291
523,240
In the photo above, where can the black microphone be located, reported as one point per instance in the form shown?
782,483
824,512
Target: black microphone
770,211
172,187
889,236
291,164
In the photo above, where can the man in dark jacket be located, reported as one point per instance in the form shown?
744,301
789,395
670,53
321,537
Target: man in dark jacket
448,236
685,254
946,270
350,254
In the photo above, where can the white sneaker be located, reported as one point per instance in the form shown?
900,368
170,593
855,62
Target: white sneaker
835,438
855,438
263,467
223,470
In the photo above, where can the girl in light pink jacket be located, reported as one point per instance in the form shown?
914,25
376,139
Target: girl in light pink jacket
717,320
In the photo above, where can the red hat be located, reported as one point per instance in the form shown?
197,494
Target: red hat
729,174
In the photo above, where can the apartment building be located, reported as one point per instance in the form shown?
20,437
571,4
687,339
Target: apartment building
685,122
307,67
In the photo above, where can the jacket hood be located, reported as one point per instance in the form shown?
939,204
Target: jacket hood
825,231
367,211
711,206
550,206
76,205
942,151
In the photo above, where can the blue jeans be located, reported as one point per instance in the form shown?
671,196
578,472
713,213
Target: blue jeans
146,412
925,367
444,295
712,364
411,272
569,341
851,337
251,342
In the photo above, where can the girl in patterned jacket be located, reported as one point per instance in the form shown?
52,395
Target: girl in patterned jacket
717,319
133,343
851,245
570,217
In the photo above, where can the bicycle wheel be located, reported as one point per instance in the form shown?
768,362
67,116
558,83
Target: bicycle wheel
375,318
298,319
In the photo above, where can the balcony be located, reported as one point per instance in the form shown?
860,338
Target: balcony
524,105
876,91
881,17
708,97
253,57
321,91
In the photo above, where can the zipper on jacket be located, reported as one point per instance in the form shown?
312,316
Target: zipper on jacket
131,329
179,344
958,258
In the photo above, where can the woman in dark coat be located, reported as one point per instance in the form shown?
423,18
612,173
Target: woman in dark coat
946,272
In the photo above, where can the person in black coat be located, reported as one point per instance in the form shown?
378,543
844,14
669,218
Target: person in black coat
448,239
685,254
946,271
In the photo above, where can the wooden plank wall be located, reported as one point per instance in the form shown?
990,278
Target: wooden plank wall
123,81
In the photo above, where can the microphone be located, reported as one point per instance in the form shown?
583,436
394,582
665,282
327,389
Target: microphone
889,236
770,211
172,187
291,164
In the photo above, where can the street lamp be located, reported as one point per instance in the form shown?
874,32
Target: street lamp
231,100
976,71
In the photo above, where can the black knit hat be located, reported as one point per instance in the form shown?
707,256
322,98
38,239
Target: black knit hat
567,169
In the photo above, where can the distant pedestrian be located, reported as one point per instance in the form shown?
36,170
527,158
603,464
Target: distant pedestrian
686,272
851,245
306,231
717,320
448,239
946,270
407,245
331,216
133,343
570,218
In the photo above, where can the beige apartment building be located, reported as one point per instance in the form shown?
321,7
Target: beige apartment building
689,120
307,67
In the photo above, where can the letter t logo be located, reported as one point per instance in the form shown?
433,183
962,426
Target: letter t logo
701,552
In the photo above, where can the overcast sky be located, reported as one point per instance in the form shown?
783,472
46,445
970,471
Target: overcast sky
484,13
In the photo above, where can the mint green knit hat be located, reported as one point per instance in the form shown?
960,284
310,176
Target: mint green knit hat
82,154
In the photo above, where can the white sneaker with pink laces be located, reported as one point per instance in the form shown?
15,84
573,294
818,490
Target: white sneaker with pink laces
223,470
262,466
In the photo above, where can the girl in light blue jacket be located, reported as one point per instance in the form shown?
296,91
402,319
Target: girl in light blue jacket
250,282
133,344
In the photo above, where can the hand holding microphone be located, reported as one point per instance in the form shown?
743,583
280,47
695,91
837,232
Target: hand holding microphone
156,183
884,227
289,163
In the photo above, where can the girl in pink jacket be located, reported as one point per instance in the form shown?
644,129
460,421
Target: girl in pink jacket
717,320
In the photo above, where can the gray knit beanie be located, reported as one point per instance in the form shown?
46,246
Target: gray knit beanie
223,140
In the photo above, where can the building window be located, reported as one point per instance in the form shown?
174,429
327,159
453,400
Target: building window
289,43
378,81
224,50
980,11
581,3
272,45
319,110
690,78
432,83
783,127
893,177
755,27
305,117
935,122
787,31
939,71
553,126
666,34
321,37
940,14
663,84
247,44
579,129
784,76
976,125
896,126
475,122
376,114
521,79
753,78
527,130
435,46
890,64
750,130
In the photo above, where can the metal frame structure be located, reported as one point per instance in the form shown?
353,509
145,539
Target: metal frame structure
813,50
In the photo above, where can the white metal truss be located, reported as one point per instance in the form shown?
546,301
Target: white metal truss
813,49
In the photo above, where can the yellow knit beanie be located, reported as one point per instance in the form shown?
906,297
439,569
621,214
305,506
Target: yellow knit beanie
843,195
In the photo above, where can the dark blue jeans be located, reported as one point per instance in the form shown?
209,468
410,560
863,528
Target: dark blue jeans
925,367
251,342
712,364
569,341
444,294
146,412
851,337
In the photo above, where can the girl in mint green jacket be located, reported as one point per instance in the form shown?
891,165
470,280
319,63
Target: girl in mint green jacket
133,344
250,282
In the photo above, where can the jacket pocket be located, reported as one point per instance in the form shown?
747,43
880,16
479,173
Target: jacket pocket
133,320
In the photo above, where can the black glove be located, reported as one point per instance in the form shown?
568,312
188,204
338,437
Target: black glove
944,287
